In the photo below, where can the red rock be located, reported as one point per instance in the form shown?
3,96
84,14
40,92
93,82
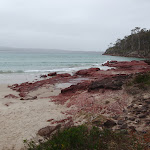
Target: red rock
50,120
114,83
52,74
26,87
74,88
86,72
126,64
22,94
75,91
10,96
113,61
43,76
63,75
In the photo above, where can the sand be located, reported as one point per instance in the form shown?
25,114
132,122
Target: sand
20,120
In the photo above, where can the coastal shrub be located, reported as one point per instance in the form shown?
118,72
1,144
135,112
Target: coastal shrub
82,138
142,81
142,78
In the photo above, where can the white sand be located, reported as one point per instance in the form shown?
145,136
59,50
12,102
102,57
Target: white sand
21,120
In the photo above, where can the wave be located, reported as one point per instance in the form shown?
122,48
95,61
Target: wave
70,69
55,70
11,71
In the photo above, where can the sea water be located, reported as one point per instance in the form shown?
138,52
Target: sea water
21,66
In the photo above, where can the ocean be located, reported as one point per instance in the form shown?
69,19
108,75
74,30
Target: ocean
21,66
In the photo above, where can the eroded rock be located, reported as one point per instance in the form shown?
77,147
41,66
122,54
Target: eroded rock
52,74
46,131
114,83
86,72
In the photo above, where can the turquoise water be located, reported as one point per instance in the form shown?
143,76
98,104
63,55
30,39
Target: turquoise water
19,62
28,64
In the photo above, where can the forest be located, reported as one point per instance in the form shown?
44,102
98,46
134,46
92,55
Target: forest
135,45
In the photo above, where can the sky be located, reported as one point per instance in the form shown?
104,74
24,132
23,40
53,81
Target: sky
80,25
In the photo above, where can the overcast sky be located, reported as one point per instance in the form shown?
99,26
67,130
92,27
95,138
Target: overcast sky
70,24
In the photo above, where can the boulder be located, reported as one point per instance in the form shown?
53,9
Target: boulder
46,131
43,76
52,74
109,124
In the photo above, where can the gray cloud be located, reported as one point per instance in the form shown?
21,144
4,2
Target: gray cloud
69,24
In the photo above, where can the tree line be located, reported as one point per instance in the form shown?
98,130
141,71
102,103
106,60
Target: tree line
137,44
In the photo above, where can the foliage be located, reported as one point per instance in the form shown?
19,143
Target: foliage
137,44
142,78
81,138
140,81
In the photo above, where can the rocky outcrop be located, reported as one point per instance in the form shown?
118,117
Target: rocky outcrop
77,87
86,72
114,83
103,93
26,87
127,64
64,75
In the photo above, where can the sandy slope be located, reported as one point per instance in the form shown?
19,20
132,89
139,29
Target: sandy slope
21,120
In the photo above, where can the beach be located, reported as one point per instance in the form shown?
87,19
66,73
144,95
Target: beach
20,120
90,96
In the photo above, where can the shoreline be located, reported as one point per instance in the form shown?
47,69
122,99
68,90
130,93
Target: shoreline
89,96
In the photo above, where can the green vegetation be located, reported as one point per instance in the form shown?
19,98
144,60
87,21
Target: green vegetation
139,82
142,78
137,44
81,138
